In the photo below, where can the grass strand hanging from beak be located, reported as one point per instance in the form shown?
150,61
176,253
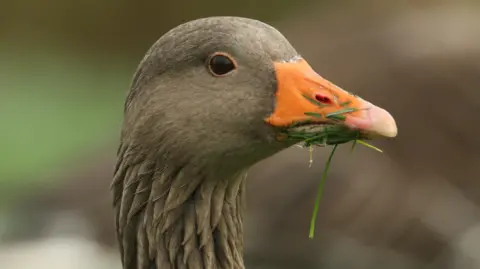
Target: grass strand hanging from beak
319,193
329,135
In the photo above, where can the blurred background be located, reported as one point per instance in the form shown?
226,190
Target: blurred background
65,68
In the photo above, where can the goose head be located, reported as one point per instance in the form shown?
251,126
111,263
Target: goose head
221,89
210,98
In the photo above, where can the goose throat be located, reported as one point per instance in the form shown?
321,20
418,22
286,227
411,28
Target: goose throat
178,217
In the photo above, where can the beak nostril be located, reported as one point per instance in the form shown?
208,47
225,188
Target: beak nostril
323,98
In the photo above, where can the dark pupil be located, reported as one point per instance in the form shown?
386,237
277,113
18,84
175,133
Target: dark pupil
221,64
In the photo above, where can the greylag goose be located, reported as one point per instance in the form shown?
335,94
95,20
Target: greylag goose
209,99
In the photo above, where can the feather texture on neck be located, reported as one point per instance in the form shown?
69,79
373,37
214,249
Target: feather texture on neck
177,217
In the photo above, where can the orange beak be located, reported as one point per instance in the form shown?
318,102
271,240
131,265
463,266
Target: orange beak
303,95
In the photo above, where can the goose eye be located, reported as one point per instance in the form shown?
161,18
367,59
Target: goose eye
221,64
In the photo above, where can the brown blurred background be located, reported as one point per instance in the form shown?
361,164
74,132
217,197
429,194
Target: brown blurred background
65,68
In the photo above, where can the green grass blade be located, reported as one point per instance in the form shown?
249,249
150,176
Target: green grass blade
319,193
345,103
369,146
313,114
354,144
336,117
340,112
313,101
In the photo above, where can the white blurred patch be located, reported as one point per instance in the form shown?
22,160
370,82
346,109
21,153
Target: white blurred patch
66,244
294,59
468,247
58,253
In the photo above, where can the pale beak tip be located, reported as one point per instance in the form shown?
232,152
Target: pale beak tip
383,123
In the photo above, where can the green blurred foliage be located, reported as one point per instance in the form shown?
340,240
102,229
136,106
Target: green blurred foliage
53,109
65,67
